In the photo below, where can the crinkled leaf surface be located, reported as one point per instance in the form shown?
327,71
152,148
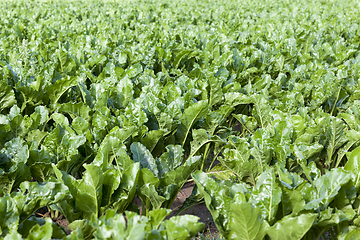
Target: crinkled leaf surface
267,195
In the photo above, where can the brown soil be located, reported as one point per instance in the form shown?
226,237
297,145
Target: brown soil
199,210
63,222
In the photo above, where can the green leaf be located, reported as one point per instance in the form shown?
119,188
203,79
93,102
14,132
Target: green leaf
148,189
189,117
353,165
75,110
353,138
134,70
292,201
292,227
351,120
214,119
112,147
200,139
249,122
13,235
111,182
43,112
220,172
75,235
311,171
282,140
261,109
56,90
89,192
288,179
179,57
335,136
9,215
7,96
215,83
235,98
332,216
172,181
13,168
41,232
83,228
124,195
238,160
67,179
156,217
152,138
113,226
14,125
267,195
171,159
329,184
26,227
39,163
261,147
33,196
216,199
142,155
292,198
246,222
183,227
305,151
135,225
80,125
63,146
353,234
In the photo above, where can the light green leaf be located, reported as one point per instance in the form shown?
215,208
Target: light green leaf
33,195
261,109
152,138
200,138
246,222
112,147
89,194
216,199
9,215
267,195
292,227
189,117
75,110
336,137
41,232
353,234
7,96
183,227
56,90
353,165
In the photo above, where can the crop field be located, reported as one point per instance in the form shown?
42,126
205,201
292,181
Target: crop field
108,109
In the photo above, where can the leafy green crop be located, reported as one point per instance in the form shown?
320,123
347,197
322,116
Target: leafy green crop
105,102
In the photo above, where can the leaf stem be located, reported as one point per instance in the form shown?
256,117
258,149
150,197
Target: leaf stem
147,207
337,97
320,233
215,157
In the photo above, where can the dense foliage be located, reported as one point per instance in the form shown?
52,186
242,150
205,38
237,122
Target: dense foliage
258,102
